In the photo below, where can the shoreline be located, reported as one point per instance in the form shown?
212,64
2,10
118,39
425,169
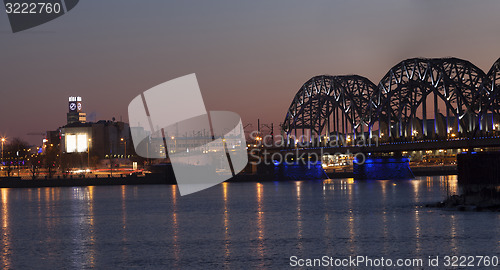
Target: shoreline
17,182
417,171
162,179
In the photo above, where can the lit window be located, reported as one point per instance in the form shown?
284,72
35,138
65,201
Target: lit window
70,143
81,144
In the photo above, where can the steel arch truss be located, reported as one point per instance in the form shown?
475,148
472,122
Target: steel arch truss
452,85
327,103
418,98
492,88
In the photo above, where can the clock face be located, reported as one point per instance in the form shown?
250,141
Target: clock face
72,106
79,105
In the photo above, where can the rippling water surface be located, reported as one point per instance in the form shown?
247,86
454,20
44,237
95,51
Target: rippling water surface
236,225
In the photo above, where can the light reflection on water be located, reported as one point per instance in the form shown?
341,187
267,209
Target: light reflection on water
299,215
175,226
227,237
82,226
6,245
236,225
260,221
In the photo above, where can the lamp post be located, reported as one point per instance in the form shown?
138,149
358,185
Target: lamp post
88,152
125,142
3,141
18,168
175,143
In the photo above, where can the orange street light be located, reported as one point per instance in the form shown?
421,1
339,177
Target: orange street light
88,152
3,141
125,143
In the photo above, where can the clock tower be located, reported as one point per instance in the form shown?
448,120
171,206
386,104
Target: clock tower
75,114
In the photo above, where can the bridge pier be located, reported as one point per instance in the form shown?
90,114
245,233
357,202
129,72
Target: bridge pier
383,168
479,168
285,171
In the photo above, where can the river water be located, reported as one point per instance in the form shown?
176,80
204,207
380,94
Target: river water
236,225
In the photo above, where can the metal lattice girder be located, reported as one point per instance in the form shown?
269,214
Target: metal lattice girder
492,88
318,97
456,83
457,87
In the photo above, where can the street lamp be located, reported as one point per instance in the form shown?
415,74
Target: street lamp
175,144
125,142
18,168
3,141
88,152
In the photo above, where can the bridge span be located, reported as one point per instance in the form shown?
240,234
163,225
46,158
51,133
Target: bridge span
418,99
465,144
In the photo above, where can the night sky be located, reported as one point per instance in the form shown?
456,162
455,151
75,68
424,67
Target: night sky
250,57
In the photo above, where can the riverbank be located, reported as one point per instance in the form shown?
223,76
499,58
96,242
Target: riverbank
162,179
416,170
17,182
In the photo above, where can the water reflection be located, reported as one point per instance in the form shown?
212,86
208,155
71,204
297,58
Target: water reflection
416,184
299,213
453,235
227,239
350,224
6,244
429,183
385,229
326,218
416,210
124,220
418,233
260,219
91,232
257,224
83,226
50,197
450,184
175,223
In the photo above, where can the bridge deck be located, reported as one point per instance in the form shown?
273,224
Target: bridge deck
464,143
